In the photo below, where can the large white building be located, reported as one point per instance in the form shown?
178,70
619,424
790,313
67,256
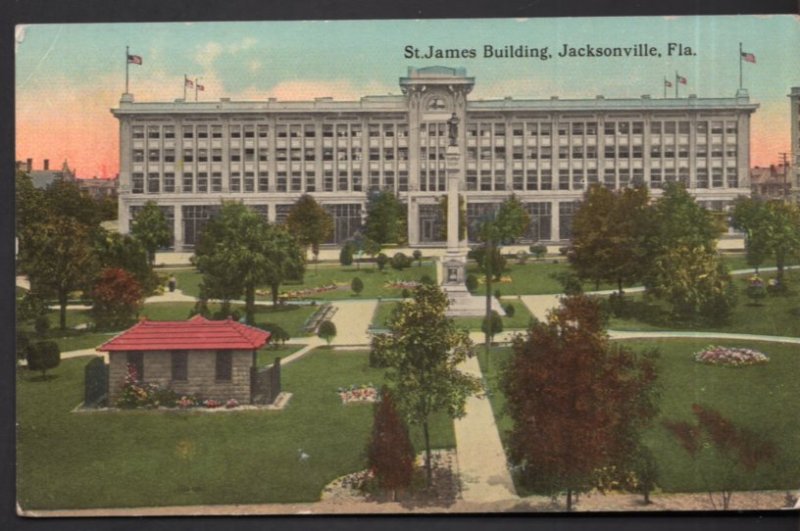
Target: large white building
188,156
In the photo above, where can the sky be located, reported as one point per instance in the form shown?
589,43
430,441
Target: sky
69,76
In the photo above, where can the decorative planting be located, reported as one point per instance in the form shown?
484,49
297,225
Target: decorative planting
358,393
730,356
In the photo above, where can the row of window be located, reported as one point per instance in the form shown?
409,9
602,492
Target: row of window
591,152
342,130
400,130
179,360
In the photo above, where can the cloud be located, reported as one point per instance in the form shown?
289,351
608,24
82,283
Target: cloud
244,44
254,66
337,89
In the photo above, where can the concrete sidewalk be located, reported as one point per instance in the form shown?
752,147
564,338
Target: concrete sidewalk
481,458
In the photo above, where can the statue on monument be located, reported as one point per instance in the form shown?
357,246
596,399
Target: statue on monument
452,129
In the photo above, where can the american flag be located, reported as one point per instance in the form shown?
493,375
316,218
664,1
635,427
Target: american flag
681,80
667,83
749,57
137,59
200,87
188,82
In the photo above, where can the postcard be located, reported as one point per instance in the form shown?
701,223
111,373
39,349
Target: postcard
408,266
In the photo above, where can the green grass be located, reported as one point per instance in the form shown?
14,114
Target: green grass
266,356
150,458
531,278
775,315
520,320
757,397
736,261
326,274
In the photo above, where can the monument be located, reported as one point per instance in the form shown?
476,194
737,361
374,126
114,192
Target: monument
454,263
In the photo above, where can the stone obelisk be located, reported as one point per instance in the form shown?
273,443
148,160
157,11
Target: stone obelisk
454,263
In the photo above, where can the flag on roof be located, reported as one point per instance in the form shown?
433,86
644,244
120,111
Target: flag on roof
667,83
200,87
188,82
749,57
137,59
682,80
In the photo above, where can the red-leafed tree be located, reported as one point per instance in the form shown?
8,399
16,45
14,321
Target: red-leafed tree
577,401
721,451
117,297
390,453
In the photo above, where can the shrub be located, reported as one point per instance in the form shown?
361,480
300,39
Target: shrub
426,279
418,257
538,250
522,257
492,325
382,260
400,261
617,304
236,315
357,285
23,341
510,310
346,254
570,283
278,336
405,293
117,297
43,355
756,289
472,282
41,325
327,331
497,294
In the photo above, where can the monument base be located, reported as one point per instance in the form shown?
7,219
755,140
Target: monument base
452,275
465,304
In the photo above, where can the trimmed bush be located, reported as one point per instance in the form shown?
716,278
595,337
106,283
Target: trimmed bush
497,294
426,279
346,255
382,260
327,331
472,282
278,336
510,310
418,257
492,325
405,293
357,285
538,250
43,356
400,261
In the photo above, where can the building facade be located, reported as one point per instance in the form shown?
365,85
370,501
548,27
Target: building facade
188,156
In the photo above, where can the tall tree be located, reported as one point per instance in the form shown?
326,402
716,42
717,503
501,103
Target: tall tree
751,216
117,298
122,251
608,236
422,351
238,251
30,206
783,234
151,228
723,453
575,399
390,454
66,199
310,223
58,259
386,218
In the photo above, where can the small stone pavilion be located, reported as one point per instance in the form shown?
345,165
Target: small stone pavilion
212,359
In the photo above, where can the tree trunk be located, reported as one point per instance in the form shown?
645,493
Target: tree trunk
779,262
274,288
250,304
647,497
569,500
619,285
62,303
428,471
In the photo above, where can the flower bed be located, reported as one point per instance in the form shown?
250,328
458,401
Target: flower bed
307,292
143,395
358,393
730,357
401,284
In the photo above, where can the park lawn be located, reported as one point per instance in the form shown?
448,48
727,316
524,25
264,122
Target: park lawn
531,278
266,356
188,280
374,280
521,319
738,261
158,458
777,315
754,397
290,317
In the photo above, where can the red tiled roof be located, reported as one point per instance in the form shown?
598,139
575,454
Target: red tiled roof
198,333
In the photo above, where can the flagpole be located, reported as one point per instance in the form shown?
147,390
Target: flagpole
195,89
676,83
740,66
665,87
184,88
127,65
